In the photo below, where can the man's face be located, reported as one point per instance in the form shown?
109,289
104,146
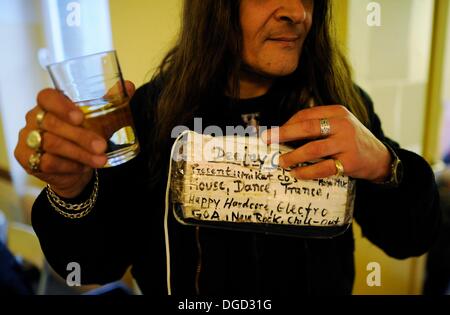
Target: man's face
273,34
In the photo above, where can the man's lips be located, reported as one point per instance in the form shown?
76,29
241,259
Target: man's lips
285,38
285,41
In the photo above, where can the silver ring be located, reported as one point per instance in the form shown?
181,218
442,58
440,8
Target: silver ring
40,118
34,140
325,127
34,162
339,168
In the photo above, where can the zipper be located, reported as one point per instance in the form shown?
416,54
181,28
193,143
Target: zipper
198,270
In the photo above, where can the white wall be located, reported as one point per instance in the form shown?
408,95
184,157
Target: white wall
76,31
32,28
391,62
445,138
21,77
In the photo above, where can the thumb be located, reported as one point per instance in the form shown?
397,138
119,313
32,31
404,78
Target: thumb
117,89
130,87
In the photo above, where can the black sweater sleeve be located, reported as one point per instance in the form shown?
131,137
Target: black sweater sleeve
100,242
402,221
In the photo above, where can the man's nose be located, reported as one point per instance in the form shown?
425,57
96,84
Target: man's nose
291,11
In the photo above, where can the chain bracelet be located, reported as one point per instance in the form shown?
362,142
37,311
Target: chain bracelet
77,215
81,210
70,206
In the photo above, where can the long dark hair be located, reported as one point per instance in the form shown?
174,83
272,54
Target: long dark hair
207,57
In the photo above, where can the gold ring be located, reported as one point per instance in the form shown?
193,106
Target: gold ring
325,127
339,168
34,140
40,117
34,162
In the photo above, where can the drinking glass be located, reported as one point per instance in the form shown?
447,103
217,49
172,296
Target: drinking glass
95,84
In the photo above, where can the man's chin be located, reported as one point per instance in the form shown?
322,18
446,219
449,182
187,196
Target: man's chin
272,71
278,72
280,69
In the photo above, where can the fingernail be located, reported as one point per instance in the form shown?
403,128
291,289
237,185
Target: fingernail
274,137
294,174
281,162
99,160
99,146
76,117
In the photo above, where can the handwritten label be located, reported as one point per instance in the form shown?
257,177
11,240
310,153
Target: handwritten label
237,180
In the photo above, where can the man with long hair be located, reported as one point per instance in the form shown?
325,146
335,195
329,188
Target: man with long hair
271,62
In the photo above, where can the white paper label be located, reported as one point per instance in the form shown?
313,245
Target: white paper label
237,179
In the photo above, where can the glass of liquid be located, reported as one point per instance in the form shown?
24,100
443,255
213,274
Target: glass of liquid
95,84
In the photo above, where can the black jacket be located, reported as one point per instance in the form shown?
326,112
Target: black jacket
126,226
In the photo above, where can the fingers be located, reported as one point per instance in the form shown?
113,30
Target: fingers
319,112
53,164
62,148
311,151
50,164
323,169
305,129
57,103
117,90
85,138
130,87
